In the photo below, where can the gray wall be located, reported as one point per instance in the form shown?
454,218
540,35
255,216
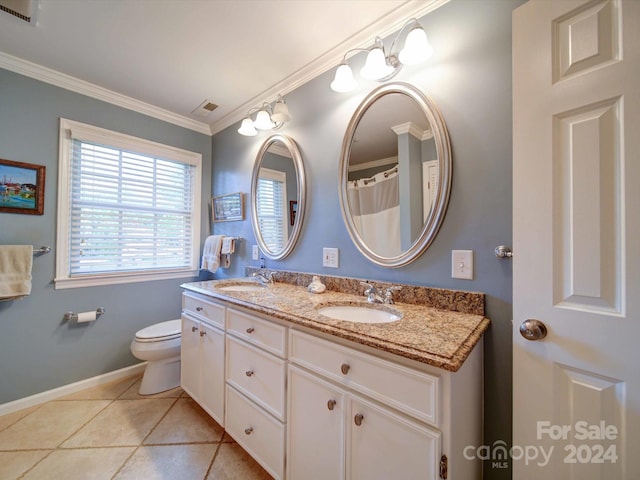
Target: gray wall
469,78
37,351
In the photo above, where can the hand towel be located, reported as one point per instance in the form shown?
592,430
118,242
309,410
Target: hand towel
211,253
228,245
15,271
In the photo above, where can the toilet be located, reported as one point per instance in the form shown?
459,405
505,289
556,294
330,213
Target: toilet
159,345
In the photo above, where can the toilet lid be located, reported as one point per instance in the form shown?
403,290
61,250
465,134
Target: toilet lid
160,331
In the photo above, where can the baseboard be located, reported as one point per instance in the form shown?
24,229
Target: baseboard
43,397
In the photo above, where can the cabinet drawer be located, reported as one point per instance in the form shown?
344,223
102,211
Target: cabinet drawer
257,374
410,391
203,309
267,335
256,431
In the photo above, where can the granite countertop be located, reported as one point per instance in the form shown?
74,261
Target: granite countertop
438,337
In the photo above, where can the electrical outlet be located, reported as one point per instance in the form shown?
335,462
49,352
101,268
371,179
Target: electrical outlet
330,257
255,254
462,264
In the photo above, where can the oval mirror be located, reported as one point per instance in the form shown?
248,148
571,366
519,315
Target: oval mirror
395,174
278,196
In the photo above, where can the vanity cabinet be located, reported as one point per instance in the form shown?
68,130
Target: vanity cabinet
202,353
256,376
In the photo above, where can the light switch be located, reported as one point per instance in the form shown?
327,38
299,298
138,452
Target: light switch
462,264
330,257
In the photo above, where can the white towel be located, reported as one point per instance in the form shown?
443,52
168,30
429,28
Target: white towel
211,253
15,271
228,245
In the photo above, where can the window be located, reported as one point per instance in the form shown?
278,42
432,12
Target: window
128,208
271,208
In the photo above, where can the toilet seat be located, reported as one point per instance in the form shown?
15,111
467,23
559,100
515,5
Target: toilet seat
160,332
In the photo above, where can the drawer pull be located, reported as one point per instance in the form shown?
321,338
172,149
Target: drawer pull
344,368
248,430
199,309
358,419
251,330
194,329
248,373
203,333
331,404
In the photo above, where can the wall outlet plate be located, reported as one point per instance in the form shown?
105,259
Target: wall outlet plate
330,257
462,264
255,253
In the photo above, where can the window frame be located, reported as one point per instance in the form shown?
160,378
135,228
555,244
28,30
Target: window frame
90,133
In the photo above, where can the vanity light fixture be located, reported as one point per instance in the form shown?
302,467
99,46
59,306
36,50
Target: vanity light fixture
267,118
382,66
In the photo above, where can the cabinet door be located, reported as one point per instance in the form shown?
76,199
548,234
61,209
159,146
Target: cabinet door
190,357
212,371
382,445
315,429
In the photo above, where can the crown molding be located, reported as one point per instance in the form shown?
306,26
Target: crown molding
76,85
384,27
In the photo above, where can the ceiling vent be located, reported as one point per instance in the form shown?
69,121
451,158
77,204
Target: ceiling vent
204,109
22,9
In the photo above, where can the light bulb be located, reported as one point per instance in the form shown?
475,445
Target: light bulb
376,66
343,81
416,47
247,129
280,112
263,121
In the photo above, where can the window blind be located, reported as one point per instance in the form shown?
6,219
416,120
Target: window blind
129,212
271,208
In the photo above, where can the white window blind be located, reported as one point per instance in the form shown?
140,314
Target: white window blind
132,207
271,199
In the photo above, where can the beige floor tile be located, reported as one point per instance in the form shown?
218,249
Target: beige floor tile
14,464
132,393
233,463
11,418
122,423
50,425
84,464
108,391
168,462
186,422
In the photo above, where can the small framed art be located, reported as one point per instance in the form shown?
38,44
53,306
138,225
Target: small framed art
21,187
227,208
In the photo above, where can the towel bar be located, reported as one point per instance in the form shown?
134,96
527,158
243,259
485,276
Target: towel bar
40,250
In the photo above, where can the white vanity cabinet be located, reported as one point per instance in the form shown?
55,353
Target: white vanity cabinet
255,391
352,416
202,353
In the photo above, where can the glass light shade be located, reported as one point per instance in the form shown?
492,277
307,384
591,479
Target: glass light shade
263,121
343,81
376,66
280,112
247,129
416,47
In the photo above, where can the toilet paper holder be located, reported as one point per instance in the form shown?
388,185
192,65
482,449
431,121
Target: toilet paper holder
73,317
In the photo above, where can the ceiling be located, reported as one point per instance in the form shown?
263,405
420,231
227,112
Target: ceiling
166,57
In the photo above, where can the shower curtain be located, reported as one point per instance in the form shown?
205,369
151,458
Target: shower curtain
375,210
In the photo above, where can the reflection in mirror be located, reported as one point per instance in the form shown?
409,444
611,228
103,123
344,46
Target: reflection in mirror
278,194
395,174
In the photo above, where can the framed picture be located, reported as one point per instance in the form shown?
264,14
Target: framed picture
21,187
227,208
293,209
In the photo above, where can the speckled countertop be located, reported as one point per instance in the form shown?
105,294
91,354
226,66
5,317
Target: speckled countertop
435,336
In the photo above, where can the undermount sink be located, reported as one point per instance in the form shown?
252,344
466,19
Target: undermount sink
360,313
240,287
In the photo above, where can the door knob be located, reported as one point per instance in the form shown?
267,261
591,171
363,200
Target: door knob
533,329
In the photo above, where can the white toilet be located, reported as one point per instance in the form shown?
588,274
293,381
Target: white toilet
159,345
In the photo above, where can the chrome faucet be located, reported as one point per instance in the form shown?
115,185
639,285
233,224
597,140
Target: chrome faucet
264,278
375,295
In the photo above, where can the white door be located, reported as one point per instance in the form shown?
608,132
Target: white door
576,220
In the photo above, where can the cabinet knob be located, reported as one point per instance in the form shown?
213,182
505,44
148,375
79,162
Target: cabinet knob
250,330
331,404
194,329
248,373
203,333
199,309
344,368
358,419
248,430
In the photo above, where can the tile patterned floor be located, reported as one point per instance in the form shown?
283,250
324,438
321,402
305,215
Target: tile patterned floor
112,433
